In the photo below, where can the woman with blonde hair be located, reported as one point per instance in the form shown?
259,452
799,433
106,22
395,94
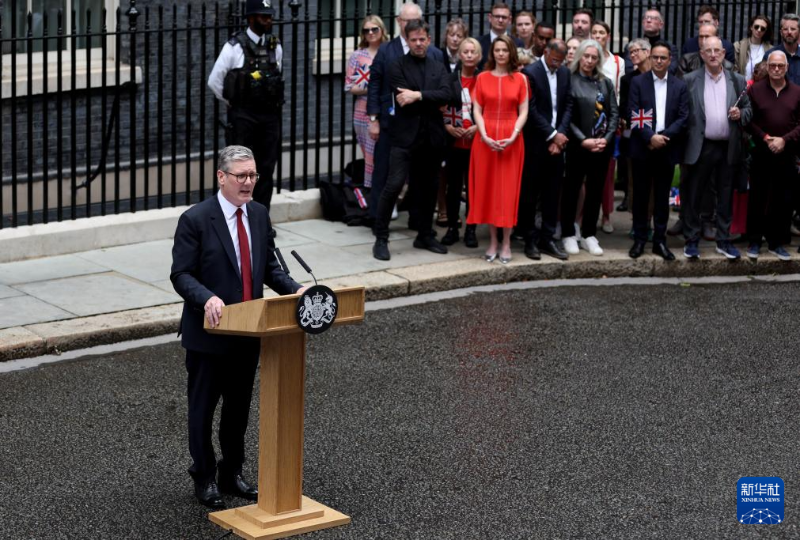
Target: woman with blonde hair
373,33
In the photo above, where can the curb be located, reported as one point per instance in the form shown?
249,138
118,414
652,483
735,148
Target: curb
60,336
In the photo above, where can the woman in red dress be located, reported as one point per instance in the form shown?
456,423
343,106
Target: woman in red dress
495,169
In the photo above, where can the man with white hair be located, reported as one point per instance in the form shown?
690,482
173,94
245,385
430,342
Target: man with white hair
776,132
379,97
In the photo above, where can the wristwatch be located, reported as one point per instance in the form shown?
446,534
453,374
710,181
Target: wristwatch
373,118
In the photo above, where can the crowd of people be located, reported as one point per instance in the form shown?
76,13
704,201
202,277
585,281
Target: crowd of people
535,132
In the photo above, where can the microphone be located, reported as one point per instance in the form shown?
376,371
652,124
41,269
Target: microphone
304,265
281,261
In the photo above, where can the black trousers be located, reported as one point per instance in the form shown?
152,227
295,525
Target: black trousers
594,167
420,164
712,166
260,132
457,173
769,205
380,170
654,172
212,377
541,183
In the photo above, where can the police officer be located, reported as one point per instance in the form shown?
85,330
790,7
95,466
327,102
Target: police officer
247,78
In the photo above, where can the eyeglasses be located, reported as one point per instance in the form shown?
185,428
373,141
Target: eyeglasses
242,178
500,17
651,18
634,51
776,66
658,58
759,28
714,52
373,30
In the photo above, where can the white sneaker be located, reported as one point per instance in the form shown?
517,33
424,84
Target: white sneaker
394,213
592,246
607,227
571,245
578,231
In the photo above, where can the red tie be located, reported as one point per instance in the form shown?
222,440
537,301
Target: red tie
244,250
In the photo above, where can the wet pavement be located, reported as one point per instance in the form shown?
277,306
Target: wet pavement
575,412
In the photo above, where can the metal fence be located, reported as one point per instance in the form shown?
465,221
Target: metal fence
109,112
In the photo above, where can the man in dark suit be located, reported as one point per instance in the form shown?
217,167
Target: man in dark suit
379,97
545,136
420,85
652,24
708,15
659,111
718,110
223,254
499,23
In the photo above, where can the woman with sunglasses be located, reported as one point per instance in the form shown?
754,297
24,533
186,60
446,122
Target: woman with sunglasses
750,50
373,33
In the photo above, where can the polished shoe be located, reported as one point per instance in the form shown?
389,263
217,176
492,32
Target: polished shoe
676,229
531,251
690,250
238,486
505,260
709,231
450,237
489,257
637,250
208,494
663,251
381,249
470,238
554,249
430,243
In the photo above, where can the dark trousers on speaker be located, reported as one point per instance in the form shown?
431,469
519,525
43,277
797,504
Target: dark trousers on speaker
213,377
711,166
769,204
420,164
260,132
654,173
457,174
593,167
541,184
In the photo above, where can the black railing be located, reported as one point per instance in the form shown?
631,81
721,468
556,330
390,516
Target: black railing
97,121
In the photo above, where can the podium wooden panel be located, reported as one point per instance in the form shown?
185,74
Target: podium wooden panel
282,510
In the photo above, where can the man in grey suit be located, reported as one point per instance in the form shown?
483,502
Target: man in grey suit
718,109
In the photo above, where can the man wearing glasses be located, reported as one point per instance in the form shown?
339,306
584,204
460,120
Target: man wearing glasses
776,132
499,23
223,254
708,15
718,110
652,24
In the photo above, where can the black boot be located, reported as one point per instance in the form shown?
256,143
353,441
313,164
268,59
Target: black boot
470,238
451,236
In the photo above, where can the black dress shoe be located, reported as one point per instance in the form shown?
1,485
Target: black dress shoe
470,238
554,249
430,243
531,251
238,486
208,495
381,249
662,250
637,250
623,206
450,237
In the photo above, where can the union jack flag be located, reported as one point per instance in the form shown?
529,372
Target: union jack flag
362,75
451,117
642,118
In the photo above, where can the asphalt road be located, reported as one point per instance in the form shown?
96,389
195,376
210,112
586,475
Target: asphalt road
580,412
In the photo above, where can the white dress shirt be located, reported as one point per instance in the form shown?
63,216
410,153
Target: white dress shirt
404,43
661,101
232,57
229,211
552,80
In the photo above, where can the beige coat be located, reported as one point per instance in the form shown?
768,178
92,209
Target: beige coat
742,50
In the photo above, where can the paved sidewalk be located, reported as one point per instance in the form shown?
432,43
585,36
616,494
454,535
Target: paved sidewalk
88,298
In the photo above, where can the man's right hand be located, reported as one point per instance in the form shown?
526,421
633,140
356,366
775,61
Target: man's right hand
213,310
374,130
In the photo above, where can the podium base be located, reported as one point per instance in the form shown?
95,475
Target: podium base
252,523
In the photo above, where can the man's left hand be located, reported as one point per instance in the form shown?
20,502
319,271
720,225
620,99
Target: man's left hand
734,114
776,144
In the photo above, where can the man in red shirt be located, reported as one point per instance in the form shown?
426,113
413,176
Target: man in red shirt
776,130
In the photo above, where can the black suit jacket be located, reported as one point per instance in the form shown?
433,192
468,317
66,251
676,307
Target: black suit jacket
204,265
436,91
540,106
379,91
643,96
485,41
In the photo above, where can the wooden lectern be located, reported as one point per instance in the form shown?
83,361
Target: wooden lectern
282,510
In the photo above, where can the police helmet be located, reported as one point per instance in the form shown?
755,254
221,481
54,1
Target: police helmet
259,7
